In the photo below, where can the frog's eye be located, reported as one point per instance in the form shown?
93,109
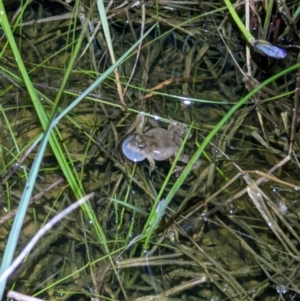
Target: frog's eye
136,137
141,145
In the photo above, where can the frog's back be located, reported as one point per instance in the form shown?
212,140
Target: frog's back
160,145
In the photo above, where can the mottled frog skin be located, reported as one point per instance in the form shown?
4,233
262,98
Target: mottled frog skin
156,144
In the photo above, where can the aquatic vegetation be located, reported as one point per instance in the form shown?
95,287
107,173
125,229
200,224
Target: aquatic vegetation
218,84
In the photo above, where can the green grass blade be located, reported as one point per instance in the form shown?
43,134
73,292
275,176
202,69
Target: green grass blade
238,22
18,221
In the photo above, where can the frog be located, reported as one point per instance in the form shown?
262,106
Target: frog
156,144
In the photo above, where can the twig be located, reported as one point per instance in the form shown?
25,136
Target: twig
21,297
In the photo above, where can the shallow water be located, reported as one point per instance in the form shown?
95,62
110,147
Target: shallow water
222,236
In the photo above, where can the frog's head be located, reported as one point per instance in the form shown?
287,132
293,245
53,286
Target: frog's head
138,142
132,148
